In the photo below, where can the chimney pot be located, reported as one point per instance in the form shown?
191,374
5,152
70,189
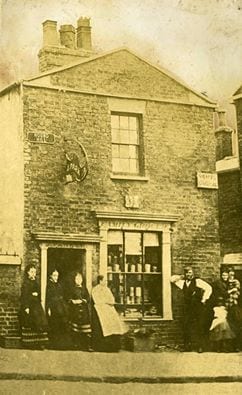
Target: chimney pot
84,40
223,137
50,35
222,117
67,36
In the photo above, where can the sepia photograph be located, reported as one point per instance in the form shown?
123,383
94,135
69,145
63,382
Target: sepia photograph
120,197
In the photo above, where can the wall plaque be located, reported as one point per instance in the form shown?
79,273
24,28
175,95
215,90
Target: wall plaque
207,180
132,201
41,137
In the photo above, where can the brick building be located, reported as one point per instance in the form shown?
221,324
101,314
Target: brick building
229,154
148,204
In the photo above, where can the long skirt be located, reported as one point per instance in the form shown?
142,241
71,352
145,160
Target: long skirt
80,327
34,328
102,343
221,332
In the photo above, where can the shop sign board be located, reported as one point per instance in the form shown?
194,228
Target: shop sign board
207,180
41,137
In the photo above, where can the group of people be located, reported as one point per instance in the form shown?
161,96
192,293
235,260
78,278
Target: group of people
213,311
71,319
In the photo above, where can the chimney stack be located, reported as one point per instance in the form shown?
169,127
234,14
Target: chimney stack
67,36
66,46
223,137
50,35
84,40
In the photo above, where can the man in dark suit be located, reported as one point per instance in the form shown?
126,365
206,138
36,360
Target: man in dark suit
196,294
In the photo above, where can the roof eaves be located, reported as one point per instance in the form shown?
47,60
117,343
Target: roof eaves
8,88
93,58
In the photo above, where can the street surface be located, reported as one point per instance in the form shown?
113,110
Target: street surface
38,387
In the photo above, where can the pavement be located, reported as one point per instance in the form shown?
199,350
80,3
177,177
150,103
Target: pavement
122,367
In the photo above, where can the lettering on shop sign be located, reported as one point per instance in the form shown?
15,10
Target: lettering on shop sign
207,180
41,137
132,201
76,165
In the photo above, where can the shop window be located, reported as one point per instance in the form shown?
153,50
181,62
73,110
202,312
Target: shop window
125,143
134,273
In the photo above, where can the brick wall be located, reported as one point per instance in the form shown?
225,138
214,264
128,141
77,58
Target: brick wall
176,138
173,146
230,212
121,73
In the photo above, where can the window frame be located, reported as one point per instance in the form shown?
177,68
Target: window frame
139,146
141,278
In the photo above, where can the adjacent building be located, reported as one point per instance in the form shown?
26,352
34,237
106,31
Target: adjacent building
108,166
229,154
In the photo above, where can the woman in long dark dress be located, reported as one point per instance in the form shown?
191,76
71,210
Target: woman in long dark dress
79,316
57,314
32,317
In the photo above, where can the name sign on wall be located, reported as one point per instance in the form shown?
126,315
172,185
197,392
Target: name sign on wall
207,180
41,137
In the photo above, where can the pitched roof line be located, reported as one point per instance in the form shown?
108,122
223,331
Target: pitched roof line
93,58
105,94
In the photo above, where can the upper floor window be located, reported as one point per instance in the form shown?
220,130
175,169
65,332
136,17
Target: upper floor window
125,143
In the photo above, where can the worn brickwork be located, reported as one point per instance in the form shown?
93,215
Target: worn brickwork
9,282
238,104
51,57
230,200
121,73
173,147
53,206
230,213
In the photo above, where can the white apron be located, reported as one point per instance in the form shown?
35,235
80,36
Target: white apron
109,319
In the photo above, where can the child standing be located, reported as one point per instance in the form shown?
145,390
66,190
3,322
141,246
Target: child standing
220,332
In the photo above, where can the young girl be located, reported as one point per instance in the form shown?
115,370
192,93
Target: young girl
79,318
220,332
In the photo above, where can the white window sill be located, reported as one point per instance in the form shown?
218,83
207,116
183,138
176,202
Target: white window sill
10,260
229,163
128,177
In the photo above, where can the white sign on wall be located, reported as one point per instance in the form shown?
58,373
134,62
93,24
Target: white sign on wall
132,201
207,180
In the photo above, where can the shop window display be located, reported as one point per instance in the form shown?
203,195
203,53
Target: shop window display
134,273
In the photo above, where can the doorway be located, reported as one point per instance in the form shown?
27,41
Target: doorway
66,260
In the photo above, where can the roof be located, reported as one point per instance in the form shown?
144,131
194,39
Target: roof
93,58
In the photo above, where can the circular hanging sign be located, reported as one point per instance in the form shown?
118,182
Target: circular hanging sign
76,165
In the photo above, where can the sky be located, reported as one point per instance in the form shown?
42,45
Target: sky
200,41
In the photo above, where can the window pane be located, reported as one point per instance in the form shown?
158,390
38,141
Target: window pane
133,123
115,151
124,151
124,136
133,152
133,137
133,165
115,121
151,239
124,165
115,136
115,237
133,243
124,122
152,295
116,165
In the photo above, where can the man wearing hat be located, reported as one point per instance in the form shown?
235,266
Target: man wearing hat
196,293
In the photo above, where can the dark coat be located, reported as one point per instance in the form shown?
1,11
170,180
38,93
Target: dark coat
56,305
36,318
